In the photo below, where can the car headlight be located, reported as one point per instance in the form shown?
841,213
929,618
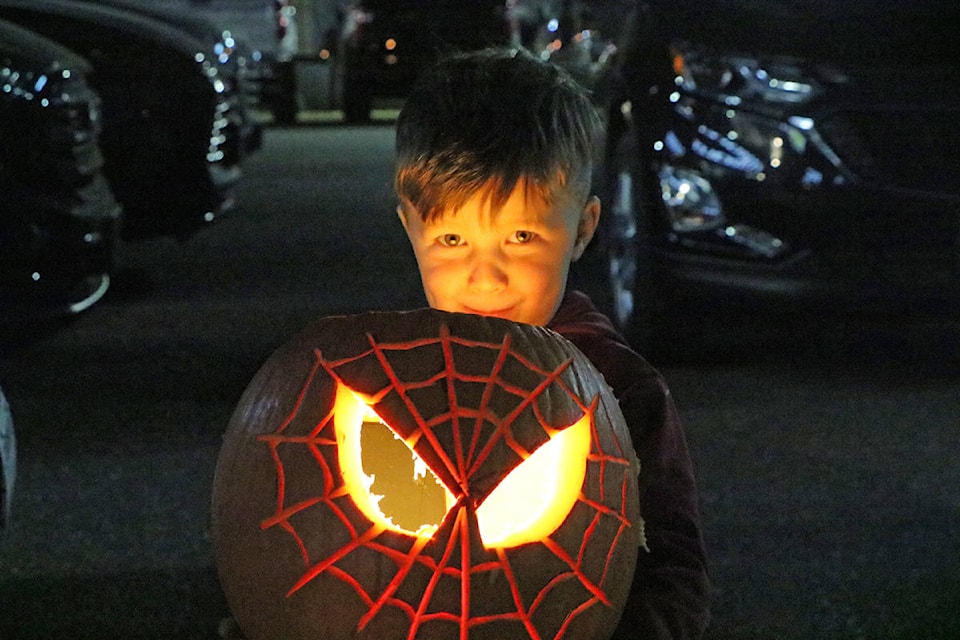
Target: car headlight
734,79
689,200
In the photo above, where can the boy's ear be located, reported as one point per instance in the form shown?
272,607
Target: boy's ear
403,216
587,226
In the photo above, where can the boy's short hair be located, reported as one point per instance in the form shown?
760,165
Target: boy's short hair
488,120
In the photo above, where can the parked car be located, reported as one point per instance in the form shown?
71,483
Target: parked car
269,28
383,44
171,118
781,155
8,461
239,64
59,220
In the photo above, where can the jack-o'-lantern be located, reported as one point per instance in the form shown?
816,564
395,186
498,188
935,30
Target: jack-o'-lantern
426,475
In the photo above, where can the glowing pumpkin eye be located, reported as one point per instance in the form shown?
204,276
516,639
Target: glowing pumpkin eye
536,496
386,479
393,487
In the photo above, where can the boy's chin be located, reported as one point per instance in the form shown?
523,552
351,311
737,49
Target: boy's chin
503,314
511,313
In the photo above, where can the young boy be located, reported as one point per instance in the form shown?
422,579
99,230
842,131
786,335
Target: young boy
493,169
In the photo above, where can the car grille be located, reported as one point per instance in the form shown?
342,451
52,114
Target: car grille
56,149
60,216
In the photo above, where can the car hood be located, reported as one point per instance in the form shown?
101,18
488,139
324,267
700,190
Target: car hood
141,26
20,44
838,31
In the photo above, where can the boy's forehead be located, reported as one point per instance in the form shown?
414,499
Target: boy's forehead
525,204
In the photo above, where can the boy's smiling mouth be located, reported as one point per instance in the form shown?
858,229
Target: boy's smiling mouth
501,312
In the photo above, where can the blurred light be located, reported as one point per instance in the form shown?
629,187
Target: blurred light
673,144
65,74
776,151
801,122
324,54
553,25
811,178
390,44
199,57
678,64
390,59
40,83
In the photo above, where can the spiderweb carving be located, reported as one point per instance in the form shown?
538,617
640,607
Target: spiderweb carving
473,411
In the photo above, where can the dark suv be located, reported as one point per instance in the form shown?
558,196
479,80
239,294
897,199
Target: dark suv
59,220
269,29
172,117
782,155
383,44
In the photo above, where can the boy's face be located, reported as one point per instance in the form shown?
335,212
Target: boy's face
511,265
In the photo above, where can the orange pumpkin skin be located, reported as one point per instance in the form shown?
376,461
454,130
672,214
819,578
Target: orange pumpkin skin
297,557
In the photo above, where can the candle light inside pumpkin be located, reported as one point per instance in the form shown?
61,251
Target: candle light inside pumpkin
393,487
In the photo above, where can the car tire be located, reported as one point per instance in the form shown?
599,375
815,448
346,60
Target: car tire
285,104
357,97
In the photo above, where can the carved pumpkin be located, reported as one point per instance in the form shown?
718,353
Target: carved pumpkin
426,475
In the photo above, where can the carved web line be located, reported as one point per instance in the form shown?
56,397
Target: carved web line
406,561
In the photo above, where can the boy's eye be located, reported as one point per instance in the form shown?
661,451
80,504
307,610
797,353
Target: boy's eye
523,237
450,240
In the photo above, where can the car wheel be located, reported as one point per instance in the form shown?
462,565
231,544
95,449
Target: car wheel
352,86
285,105
357,97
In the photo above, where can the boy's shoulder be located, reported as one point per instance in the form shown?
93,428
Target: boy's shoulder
592,332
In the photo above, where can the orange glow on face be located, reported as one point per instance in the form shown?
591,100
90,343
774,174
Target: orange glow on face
395,489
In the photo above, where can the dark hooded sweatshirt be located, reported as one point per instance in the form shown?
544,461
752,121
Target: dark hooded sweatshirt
670,595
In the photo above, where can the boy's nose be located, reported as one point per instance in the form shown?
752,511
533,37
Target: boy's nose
487,275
